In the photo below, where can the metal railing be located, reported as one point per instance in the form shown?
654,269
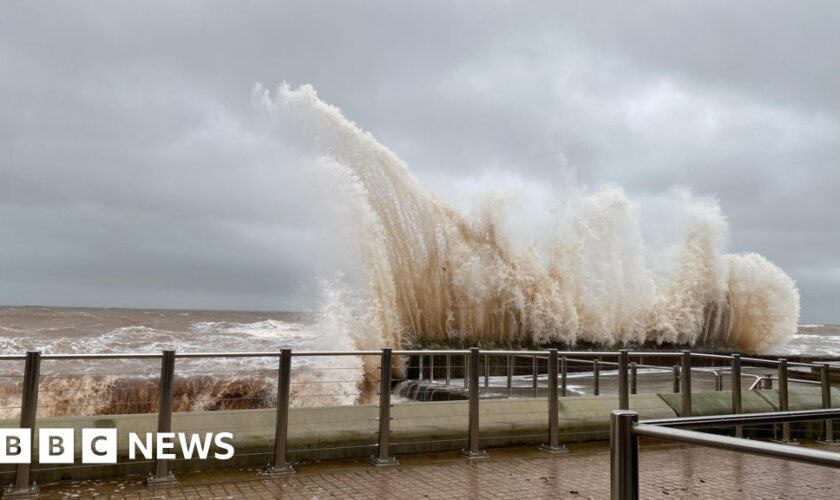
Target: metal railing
625,430
556,363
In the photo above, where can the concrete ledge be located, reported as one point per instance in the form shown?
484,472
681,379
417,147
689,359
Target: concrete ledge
717,403
587,418
803,397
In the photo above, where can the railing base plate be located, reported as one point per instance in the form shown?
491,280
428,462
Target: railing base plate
271,470
11,492
835,442
553,449
475,455
383,462
791,442
160,481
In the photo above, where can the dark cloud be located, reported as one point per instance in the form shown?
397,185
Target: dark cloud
134,171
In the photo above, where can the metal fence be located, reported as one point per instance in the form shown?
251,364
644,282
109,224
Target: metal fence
555,364
625,430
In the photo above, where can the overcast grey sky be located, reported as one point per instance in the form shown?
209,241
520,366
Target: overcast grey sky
133,171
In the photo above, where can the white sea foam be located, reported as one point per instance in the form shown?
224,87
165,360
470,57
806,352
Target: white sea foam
268,329
433,274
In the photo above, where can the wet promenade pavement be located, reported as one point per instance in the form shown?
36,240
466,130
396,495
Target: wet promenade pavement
666,472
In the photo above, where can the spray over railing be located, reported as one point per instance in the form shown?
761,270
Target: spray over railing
627,365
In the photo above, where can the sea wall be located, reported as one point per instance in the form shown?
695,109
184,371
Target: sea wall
351,431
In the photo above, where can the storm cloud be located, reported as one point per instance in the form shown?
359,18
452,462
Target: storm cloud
135,171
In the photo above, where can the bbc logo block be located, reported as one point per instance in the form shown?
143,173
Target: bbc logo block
100,446
17,446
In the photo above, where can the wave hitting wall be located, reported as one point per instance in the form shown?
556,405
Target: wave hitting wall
433,274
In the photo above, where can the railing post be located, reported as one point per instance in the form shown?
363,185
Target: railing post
553,445
28,412
486,371
384,457
623,385
825,375
634,378
624,456
420,376
686,383
432,368
167,380
676,388
281,425
768,382
596,377
534,375
448,369
736,391
784,403
718,381
510,375
473,451
563,376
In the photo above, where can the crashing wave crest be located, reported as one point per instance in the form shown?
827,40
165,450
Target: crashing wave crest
432,274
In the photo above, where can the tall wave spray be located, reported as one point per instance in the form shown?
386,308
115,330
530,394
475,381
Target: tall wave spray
432,274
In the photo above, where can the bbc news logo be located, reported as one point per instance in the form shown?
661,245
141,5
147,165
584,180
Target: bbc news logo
99,446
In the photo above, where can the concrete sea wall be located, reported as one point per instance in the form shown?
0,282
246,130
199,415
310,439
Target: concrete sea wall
351,431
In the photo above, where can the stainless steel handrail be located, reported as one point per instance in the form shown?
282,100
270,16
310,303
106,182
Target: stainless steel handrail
711,356
103,355
755,447
758,381
625,430
773,417
664,354
12,357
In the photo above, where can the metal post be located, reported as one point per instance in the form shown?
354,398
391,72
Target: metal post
534,374
768,381
281,426
486,371
718,381
448,369
420,376
596,378
167,380
624,456
676,388
510,375
563,376
28,412
783,398
736,391
473,451
623,386
553,445
825,375
686,383
634,378
432,368
384,457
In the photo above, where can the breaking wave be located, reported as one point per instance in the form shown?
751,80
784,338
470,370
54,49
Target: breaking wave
431,274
